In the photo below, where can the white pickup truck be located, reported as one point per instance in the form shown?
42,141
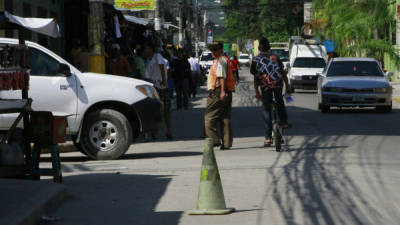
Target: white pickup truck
105,112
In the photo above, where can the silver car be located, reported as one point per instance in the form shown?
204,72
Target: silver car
354,82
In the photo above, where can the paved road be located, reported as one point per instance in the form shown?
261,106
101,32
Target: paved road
337,168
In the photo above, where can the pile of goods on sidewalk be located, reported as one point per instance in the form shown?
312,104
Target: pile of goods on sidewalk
12,154
12,60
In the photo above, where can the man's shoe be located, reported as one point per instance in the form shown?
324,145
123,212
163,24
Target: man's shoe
224,148
268,143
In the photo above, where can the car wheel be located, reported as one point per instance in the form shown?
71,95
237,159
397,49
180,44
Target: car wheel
106,135
384,109
324,108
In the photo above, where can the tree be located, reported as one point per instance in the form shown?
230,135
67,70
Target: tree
359,28
275,19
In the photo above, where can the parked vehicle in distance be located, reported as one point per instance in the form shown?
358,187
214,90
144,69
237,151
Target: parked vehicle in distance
206,60
282,51
244,59
105,112
306,60
354,82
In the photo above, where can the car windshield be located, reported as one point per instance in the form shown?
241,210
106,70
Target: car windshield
354,68
244,57
207,57
309,63
282,54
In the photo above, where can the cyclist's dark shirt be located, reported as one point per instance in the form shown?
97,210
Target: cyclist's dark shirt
264,58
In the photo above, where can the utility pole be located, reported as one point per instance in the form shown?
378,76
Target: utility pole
205,26
96,36
181,6
196,28
157,16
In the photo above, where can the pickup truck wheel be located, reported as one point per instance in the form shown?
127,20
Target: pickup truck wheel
106,135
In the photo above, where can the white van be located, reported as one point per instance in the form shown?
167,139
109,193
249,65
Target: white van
306,61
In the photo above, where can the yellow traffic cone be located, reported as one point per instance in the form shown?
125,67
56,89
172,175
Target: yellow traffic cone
211,200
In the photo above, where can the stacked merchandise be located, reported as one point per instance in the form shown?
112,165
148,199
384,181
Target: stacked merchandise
14,62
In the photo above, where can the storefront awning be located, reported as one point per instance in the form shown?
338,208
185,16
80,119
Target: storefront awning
141,21
44,26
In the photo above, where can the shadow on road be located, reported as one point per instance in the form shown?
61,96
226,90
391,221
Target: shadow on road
149,155
248,122
317,186
115,199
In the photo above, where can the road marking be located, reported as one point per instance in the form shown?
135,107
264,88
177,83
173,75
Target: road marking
397,100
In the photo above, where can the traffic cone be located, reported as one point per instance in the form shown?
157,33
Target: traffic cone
211,200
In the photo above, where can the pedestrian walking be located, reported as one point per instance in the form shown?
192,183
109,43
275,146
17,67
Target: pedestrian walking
236,68
139,68
269,77
181,75
156,72
220,86
195,72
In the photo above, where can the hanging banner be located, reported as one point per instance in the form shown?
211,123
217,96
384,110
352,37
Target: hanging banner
134,5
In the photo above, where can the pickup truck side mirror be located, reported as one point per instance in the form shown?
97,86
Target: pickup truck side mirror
64,69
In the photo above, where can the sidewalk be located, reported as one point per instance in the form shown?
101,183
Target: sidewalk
24,202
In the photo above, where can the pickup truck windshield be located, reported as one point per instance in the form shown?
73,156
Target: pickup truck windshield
355,68
309,63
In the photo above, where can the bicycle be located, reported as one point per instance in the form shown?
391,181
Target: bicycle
277,130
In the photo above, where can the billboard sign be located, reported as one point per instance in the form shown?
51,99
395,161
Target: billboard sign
134,5
308,12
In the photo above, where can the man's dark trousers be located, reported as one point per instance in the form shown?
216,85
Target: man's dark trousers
182,93
219,111
267,97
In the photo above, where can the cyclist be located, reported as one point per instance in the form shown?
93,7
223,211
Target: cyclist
269,77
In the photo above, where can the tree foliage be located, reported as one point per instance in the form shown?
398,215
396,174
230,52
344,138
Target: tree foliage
358,27
250,19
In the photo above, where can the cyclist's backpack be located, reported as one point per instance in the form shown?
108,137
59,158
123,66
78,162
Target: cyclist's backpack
268,72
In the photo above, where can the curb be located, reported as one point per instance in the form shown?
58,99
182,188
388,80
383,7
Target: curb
63,148
31,210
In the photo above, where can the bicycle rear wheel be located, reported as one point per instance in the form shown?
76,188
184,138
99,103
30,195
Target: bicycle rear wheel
278,144
277,138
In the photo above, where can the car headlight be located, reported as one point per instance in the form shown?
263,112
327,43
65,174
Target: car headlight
382,90
149,91
332,89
